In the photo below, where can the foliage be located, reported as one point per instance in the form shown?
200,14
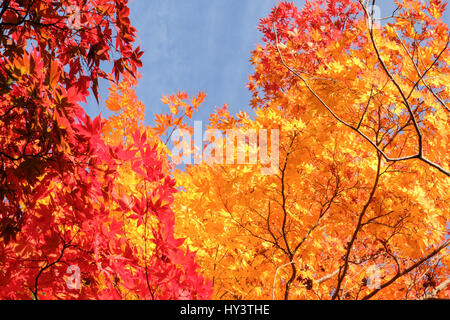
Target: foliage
71,195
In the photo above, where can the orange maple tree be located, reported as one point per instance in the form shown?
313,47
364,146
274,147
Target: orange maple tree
355,205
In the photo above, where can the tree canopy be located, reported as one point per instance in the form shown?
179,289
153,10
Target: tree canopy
352,108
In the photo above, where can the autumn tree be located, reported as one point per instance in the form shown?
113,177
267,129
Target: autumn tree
145,192
355,206
358,207
68,203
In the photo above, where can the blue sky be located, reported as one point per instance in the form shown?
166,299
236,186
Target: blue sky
193,45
